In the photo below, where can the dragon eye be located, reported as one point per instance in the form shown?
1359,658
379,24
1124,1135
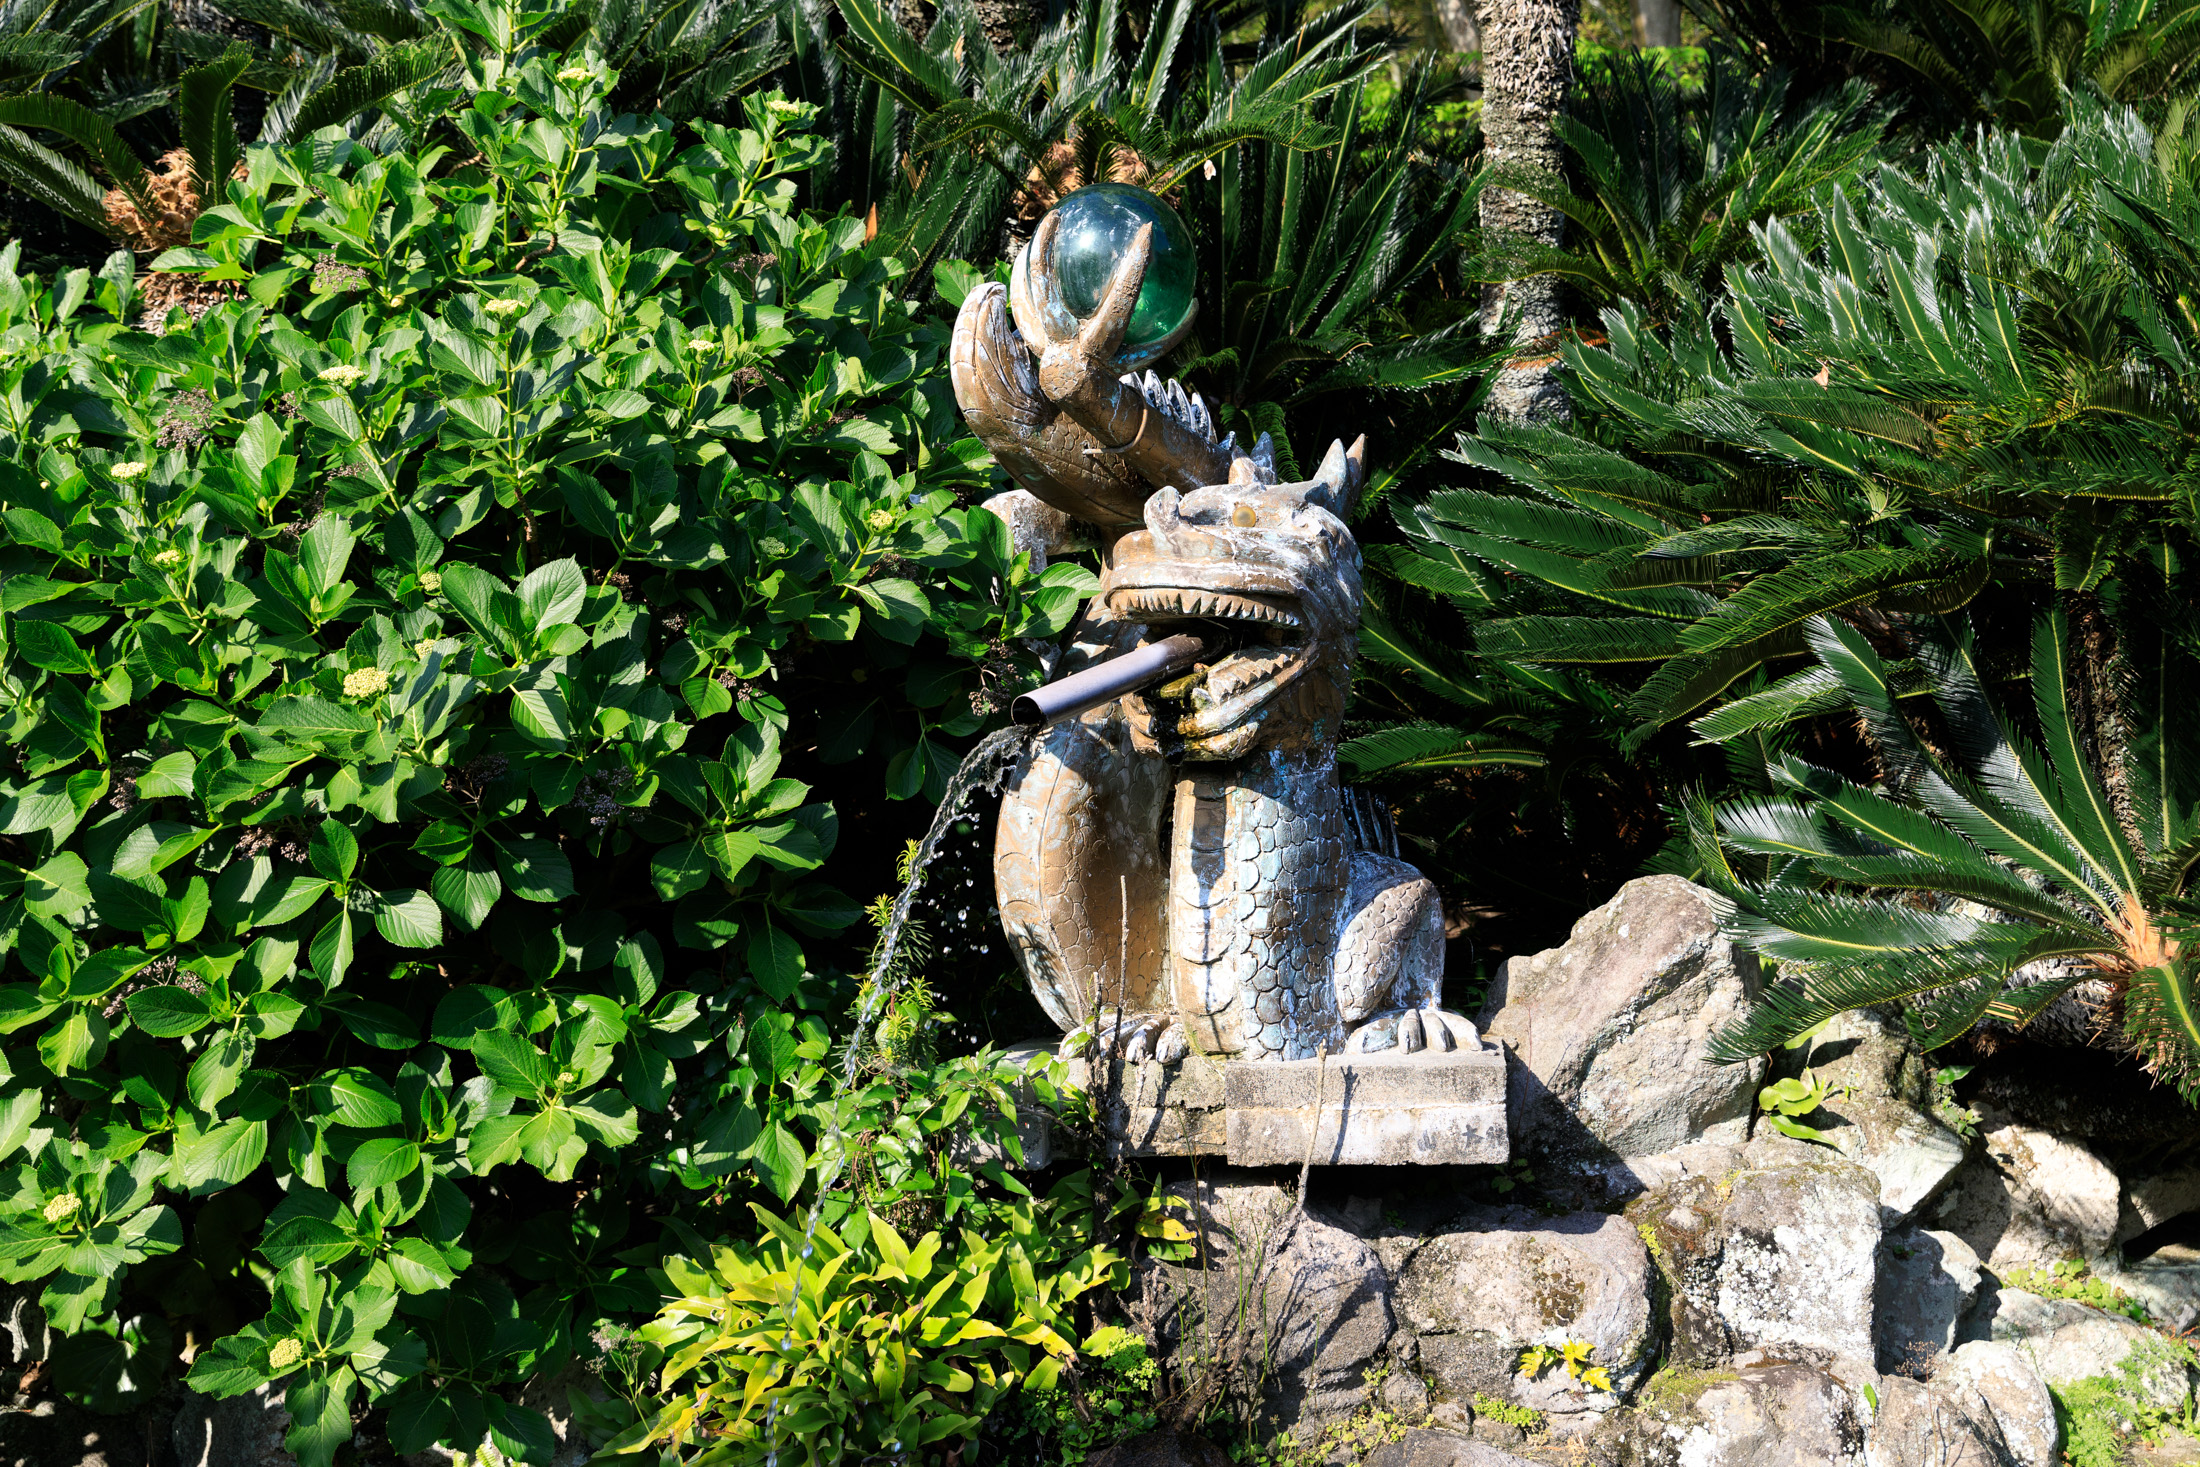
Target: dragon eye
1244,516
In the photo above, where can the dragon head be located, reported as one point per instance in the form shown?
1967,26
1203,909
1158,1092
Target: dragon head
1274,568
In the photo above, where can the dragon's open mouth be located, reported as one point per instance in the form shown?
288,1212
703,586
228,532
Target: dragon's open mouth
1218,696
1156,604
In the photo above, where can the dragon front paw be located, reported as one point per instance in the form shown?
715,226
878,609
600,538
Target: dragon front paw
1429,1031
1128,1037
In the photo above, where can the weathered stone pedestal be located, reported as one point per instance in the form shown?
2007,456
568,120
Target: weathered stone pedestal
1385,1109
1375,1110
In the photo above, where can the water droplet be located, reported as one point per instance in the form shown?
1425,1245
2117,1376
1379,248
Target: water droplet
807,1250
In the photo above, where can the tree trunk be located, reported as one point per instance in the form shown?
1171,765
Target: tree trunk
1658,22
1011,24
1527,66
1457,19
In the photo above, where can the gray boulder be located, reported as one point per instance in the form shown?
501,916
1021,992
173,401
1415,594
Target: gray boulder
1234,1211
1607,1032
2032,1197
1764,1415
2156,1197
1927,1281
1318,1313
1161,1449
2067,1342
1440,1449
2004,1382
1503,1279
1882,1116
1308,1313
1782,1259
1985,1408
56,1432
2169,1287
239,1431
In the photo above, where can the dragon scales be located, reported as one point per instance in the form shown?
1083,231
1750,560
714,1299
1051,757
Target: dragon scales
1181,870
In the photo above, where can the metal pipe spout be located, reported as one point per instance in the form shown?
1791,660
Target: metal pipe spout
1104,682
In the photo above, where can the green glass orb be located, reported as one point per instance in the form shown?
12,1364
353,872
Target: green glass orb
1097,227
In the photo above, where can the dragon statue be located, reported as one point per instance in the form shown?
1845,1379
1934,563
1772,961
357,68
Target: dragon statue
1181,869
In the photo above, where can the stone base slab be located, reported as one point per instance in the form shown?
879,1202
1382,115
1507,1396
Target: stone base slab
1424,1109
1391,1109
1161,1110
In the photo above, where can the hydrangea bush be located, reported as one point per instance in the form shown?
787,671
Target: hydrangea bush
407,927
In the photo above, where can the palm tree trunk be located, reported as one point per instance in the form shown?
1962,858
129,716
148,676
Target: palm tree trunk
1658,22
1457,19
1011,24
1527,66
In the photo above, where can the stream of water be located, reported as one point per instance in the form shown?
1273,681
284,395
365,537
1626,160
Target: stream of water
980,772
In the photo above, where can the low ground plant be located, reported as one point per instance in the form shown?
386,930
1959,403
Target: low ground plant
2104,1416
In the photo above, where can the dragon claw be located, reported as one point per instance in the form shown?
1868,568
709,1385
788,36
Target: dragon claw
1429,1031
1131,1038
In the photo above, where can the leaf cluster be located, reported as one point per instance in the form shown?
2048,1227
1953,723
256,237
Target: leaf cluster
411,916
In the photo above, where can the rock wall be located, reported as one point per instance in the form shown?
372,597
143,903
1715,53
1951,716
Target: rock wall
1749,1299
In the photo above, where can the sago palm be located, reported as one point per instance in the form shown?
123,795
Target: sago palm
1949,64
1985,376
1993,845
1668,186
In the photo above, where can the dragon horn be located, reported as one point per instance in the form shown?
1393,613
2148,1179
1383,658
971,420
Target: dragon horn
1164,521
1331,476
1035,292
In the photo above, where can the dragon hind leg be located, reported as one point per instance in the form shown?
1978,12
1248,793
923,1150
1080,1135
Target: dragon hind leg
1390,963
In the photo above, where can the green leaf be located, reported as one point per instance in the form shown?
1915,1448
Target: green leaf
355,89
320,1416
214,1074
775,961
59,888
65,187
535,870
49,645
356,1097
202,106
170,1012
468,890
552,593
780,1161
512,1062
324,552
76,1043
409,918
380,1162
609,1115
221,1157
334,851
314,721
955,280
226,1369
771,1048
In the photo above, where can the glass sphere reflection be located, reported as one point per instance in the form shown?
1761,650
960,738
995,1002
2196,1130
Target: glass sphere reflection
1097,227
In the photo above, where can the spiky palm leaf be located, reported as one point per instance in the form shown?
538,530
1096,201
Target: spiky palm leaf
358,89
32,168
1953,64
1938,890
1672,185
1937,397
